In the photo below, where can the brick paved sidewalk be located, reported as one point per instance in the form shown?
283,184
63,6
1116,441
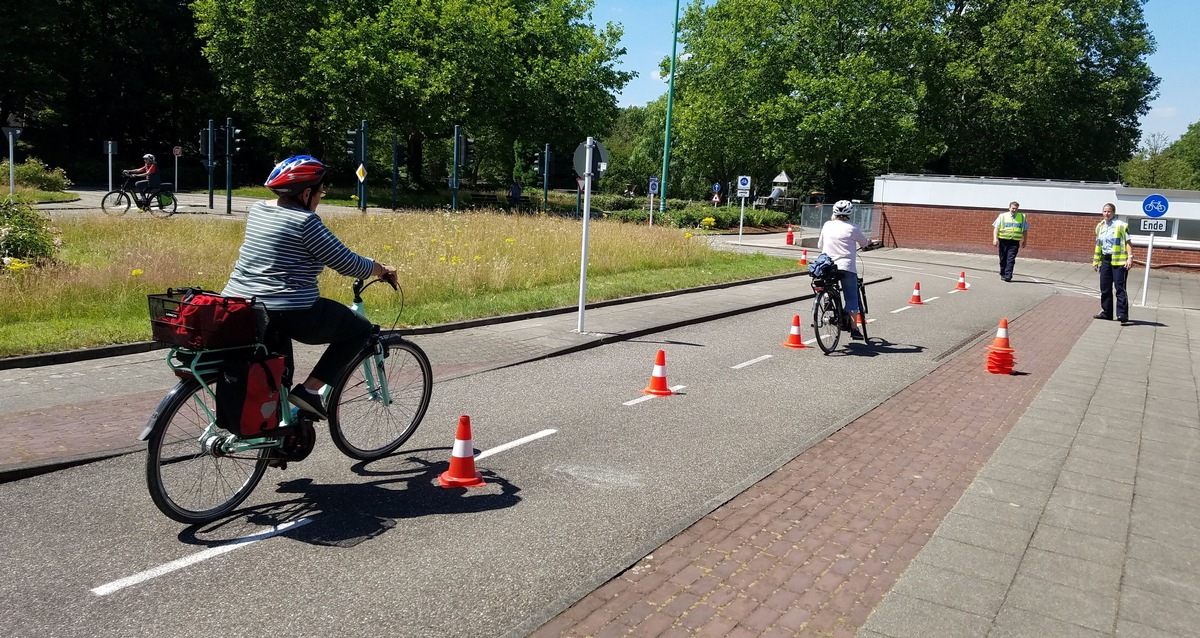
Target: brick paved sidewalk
814,547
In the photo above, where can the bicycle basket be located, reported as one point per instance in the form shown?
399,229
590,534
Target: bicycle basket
200,320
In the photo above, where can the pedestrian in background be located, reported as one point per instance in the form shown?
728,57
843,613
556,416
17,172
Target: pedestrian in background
1009,233
1112,258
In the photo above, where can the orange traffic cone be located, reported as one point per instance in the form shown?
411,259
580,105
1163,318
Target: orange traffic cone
962,281
462,471
1000,357
658,378
794,337
803,259
789,239
916,296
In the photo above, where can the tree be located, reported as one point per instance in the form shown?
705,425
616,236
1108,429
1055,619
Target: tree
1187,150
1038,88
1156,166
78,80
504,69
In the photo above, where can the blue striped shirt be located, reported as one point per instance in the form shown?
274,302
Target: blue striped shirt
284,251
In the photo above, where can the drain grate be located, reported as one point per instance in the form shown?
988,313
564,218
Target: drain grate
960,345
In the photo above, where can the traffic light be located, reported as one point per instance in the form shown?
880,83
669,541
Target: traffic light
238,141
352,144
400,155
537,163
466,150
469,151
219,142
204,143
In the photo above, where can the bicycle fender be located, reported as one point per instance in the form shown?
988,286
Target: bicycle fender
145,435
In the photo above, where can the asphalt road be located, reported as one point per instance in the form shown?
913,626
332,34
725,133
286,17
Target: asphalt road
378,549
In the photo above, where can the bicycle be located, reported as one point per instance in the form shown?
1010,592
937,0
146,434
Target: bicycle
160,201
197,471
828,318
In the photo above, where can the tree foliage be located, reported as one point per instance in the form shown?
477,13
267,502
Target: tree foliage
509,71
1156,166
838,92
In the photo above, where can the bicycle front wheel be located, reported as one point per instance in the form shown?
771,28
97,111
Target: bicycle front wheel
380,400
190,479
115,203
827,320
163,204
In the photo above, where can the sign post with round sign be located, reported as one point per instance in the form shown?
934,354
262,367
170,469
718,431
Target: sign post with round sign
653,191
743,191
1154,206
177,152
591,161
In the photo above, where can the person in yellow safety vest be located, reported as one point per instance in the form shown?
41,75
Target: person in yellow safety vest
1113,257
1009,232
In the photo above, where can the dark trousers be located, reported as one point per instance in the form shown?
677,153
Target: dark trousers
1008,256
1113,278
325,321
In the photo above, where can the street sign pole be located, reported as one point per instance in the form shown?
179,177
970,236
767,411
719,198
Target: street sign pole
741,219
211,163
1146,276
229,166
651,210
12,133
546,178
1154,206
587,207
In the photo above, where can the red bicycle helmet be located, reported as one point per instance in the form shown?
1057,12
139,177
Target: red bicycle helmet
296,174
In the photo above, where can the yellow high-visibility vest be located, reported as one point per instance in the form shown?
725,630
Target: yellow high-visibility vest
1012,226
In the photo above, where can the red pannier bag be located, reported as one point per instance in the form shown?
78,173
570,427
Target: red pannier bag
199,319
248,395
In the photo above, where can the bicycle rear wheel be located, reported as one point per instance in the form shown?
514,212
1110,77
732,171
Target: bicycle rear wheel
827,319
363,423
163,204
115,203
189,479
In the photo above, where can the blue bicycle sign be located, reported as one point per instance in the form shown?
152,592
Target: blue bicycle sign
1155,205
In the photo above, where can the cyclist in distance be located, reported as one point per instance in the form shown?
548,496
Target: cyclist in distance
840,239
149,170
285,248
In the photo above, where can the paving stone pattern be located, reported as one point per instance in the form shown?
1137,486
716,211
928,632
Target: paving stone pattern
813,548
1083,522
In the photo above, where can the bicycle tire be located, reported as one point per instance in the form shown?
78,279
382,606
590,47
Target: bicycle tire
163,204
361,426
862,309
187,482
115,203
827,319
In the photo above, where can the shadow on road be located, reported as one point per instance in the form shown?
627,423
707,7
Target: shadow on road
344,515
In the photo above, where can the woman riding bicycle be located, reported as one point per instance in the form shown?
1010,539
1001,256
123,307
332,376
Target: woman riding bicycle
285,248
840,239
149,170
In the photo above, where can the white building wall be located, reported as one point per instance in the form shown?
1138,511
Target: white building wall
1034,195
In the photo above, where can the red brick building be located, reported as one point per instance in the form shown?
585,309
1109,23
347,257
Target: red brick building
954,213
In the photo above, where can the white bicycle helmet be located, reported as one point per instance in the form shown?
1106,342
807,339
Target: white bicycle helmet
843,208
148,156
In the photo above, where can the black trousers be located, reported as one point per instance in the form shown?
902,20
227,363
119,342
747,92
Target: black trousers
325,321
1008,256
1112,279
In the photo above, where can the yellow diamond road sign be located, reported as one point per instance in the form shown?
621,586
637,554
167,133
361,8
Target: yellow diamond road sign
362,173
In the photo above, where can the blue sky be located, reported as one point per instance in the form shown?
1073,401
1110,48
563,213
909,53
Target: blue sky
647,40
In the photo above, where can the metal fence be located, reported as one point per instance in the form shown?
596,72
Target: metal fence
815,215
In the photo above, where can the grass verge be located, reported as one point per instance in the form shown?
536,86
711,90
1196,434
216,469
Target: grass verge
452,267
